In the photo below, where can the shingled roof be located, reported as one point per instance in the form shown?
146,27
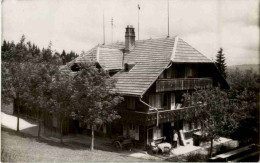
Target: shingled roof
109,57
149,57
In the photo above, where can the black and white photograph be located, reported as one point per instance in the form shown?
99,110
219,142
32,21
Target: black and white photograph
130,80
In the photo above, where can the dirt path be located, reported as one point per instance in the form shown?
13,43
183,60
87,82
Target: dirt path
10,121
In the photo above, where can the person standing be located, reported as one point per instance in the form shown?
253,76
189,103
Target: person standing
175,139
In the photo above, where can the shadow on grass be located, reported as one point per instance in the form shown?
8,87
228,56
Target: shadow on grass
69,145
42,140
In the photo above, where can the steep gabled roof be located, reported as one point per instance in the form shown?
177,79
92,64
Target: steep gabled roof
108,56
149,57
185,53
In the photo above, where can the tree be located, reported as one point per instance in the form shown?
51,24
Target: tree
63,57
245,87
220,63
95,98
62,92
217,114
15,75
4,46
46,54
39,95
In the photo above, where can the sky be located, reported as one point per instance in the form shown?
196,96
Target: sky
77,25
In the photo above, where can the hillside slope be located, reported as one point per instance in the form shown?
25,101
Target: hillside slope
244,67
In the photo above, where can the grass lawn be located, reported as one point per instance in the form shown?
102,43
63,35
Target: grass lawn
25,148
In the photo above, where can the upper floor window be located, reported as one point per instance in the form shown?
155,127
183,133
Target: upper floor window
130,102
75,67
167,74
155,100
160,101
165,99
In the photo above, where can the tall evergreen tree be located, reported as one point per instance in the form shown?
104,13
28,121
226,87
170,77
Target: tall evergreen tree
63,57
221,63
4,46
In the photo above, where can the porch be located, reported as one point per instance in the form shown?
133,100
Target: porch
150,118
145,127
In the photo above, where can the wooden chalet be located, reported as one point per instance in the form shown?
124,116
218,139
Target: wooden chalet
152,75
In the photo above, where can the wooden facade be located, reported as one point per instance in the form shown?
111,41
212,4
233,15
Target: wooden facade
152,76
183,84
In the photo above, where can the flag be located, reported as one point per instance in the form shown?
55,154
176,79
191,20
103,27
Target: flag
138,6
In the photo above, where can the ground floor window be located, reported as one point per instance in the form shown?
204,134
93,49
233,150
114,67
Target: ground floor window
131,130
189,126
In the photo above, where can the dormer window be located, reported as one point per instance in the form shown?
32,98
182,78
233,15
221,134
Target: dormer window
75,68
128,67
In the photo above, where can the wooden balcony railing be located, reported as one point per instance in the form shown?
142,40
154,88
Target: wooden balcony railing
182,84
150,118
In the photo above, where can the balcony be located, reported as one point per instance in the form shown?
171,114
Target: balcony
150,118
182,84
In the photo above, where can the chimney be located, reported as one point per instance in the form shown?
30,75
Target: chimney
129,38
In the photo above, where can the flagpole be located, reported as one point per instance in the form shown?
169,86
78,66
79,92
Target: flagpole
138,8
168,21
138,24
112,30
104,39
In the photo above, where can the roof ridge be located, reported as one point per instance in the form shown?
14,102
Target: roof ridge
117,43
174,47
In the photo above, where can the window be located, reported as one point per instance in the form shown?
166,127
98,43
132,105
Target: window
130,102
190,125
75,68
155,100
165,74
179,99
131,130
188,72
169,73
165,99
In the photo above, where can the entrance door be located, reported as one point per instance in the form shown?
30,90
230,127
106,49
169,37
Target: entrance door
150,135
167,131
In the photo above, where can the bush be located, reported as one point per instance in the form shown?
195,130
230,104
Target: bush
196,157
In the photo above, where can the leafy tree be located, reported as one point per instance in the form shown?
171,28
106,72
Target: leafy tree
94,99
245,88
62,92
217,114
39,89
25,77
221,63
15,75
